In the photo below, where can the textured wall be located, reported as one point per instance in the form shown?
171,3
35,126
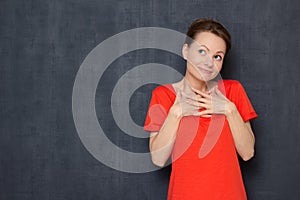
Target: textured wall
43,43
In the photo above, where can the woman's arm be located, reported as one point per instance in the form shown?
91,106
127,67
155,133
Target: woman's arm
242,133
162,142
217,103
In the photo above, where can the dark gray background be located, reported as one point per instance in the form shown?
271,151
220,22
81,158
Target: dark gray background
43,44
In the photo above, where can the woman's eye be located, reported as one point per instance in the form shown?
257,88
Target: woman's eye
202,52
218,57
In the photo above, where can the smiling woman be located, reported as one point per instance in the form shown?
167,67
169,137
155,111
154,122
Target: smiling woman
204,57
181,115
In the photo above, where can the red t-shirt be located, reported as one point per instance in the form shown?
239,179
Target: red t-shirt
216,175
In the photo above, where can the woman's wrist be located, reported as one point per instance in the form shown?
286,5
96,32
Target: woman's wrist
175,111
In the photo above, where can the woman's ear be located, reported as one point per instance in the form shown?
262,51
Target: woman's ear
185,51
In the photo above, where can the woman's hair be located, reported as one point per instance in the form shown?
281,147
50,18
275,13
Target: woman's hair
208,25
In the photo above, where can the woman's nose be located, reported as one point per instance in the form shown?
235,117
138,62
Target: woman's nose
208,61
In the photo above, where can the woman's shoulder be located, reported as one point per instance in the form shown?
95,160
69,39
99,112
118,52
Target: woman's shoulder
230,84
164,89
231,87
234,89
164,93
168,89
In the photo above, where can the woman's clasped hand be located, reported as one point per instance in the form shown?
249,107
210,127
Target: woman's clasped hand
193,102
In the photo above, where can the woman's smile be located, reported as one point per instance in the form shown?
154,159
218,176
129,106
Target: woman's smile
205,71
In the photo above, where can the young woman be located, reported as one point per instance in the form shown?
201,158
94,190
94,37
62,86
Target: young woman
185,121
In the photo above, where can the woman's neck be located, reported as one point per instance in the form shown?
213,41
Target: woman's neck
196,83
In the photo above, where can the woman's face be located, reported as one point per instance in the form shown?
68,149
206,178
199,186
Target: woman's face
204,56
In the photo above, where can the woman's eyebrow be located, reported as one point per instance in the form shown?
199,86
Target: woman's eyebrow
205,46
220,52
209,49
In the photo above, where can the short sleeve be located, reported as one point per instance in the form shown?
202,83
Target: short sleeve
158,109
242,102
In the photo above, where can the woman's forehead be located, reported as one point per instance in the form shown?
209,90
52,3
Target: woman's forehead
210,41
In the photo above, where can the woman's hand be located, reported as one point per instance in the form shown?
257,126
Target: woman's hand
213,101
183,107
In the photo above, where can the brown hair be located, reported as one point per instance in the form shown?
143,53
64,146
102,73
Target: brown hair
208,25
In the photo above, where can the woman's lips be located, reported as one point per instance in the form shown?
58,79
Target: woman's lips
205,71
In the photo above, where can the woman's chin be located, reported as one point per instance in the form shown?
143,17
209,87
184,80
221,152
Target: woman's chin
206,78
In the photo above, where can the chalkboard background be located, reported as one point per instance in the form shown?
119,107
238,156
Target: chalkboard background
43,44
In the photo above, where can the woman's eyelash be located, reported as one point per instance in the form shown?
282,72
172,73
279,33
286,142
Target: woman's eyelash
218,57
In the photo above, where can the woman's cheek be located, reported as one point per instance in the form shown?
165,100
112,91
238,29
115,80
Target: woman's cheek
219,66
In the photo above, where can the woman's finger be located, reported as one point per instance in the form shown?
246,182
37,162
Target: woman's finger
198,104
197,114
197,98
207,116
200,93
205,100
204,112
